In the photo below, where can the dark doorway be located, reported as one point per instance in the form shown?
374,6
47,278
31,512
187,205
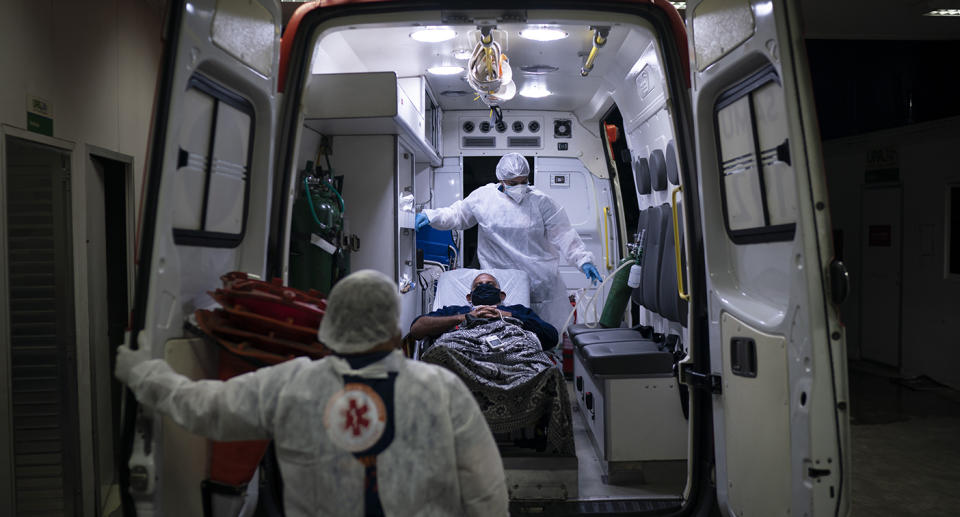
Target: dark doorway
43,421
108,257
477,172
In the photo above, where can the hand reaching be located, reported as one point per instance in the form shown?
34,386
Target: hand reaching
592,274
127,359
422,220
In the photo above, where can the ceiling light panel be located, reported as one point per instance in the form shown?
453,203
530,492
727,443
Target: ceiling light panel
445,70
434,34
534,91
543,34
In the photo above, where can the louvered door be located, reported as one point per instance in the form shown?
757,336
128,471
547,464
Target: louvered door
42,374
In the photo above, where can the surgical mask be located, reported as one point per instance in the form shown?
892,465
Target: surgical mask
516,192
485,294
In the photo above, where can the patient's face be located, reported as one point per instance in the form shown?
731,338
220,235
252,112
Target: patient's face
484,278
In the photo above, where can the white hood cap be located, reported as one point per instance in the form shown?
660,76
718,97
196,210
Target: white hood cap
363,311
512,165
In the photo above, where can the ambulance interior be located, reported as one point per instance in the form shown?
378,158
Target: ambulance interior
390,122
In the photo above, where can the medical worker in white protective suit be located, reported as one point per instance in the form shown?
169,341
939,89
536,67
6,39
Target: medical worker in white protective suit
362,432
520,228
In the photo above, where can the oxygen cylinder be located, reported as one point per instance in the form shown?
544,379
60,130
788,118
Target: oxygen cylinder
317,258
617,298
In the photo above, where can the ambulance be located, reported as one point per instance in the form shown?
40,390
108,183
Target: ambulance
301,147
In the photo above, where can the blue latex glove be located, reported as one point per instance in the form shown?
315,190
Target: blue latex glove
592,274
422,220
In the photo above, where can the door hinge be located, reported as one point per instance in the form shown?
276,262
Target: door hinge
701,381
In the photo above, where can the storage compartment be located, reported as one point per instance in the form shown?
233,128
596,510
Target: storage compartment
375,103
377,190
631,402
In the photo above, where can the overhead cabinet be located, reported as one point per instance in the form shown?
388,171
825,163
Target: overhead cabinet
376,103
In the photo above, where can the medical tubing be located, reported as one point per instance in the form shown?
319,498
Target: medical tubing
329,184
592,298
306,190
343,206
313,212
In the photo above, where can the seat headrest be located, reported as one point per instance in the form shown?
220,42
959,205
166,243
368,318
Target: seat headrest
673,174
658,170
652,255
672,306
641,175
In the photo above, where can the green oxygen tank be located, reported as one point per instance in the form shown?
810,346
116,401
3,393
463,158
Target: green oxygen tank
617,298
317,258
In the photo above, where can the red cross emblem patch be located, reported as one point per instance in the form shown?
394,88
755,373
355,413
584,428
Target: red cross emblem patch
355,417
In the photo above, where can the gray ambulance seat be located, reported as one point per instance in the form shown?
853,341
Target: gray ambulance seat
633,358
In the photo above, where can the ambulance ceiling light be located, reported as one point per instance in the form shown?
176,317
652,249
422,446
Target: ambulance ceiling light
534,91
543,34
943,12
445,70
433,34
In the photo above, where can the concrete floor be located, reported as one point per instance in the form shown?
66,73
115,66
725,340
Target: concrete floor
905,445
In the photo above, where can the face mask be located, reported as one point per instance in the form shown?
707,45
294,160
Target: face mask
485,294
516,192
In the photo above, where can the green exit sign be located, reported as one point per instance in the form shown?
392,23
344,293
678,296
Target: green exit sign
39,116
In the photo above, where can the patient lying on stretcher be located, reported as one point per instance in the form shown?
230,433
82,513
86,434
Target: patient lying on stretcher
483,302
496,350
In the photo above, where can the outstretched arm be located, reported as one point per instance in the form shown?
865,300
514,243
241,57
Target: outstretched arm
241,408
458,216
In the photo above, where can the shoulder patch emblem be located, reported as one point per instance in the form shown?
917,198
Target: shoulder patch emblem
355,417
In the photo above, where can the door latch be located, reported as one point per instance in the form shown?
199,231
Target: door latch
743,356
701,381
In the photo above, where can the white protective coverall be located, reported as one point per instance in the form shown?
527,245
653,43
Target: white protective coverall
533,235
442,461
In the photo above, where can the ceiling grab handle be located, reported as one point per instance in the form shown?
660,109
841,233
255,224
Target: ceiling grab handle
676,245
606,238
599,40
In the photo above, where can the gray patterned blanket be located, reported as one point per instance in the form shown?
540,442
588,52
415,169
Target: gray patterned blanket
513,380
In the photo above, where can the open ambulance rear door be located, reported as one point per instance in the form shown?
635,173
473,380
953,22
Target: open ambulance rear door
204,211
776,343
